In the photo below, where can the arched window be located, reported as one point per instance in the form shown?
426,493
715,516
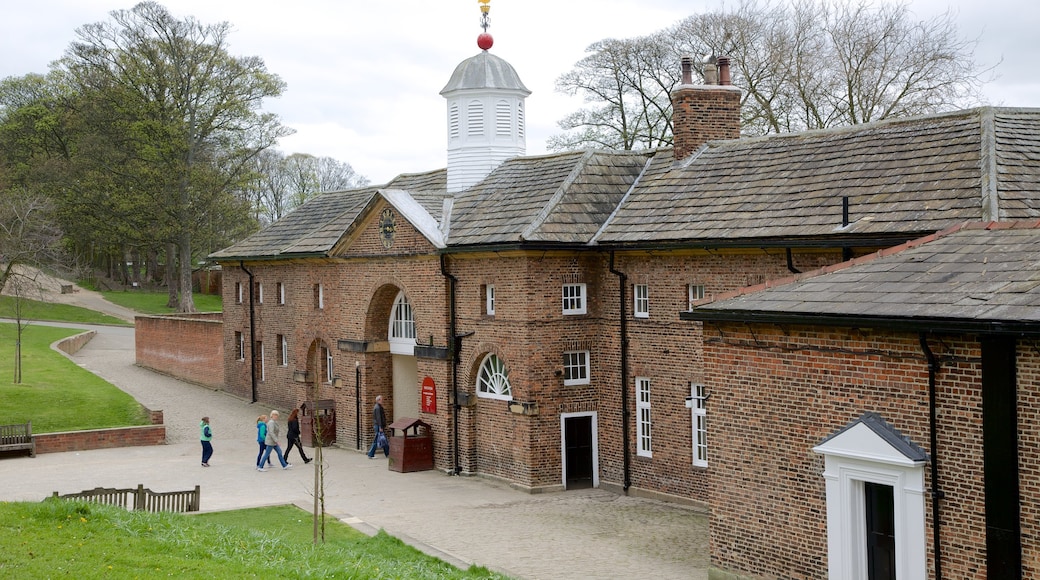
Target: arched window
493,379
402,326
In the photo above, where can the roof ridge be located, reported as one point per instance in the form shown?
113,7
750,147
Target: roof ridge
557,196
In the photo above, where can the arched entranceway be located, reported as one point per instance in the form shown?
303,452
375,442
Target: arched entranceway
404,366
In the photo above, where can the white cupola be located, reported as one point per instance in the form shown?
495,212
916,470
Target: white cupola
485,117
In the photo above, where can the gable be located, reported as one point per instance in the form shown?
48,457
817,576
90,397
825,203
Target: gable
384,229
871,438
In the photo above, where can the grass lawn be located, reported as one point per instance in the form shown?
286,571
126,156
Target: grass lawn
55,393
36,310
79,540
155,302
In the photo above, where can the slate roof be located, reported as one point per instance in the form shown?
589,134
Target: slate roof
976,273
317,225
563,198
916,175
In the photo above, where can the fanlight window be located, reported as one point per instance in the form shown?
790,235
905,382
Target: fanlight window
402,326
493,379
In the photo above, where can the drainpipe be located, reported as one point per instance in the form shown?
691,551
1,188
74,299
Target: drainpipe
623,325
937,493
455,346
790,263
357,399
252,331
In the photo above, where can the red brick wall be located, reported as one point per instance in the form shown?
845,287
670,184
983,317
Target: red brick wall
188,347
100,439
778,392
704,113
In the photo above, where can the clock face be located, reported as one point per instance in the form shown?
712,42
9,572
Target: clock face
387,227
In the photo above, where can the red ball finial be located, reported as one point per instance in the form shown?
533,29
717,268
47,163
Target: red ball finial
484,41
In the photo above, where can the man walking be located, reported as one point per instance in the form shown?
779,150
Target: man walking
379,421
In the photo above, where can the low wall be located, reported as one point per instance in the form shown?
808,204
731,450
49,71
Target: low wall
100,439
72,344
189,347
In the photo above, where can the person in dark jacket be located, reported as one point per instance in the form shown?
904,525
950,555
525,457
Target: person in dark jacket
294,436
379,422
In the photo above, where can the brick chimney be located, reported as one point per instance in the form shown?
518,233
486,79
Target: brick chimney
704,112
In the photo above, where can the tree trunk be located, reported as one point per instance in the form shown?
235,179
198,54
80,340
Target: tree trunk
171,274
187,302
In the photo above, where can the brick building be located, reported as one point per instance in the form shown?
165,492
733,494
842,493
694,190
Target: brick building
528,307
877,419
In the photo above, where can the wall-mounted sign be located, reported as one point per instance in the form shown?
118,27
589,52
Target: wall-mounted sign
429,396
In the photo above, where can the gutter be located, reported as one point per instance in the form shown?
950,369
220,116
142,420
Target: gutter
904,324
623,325
252,332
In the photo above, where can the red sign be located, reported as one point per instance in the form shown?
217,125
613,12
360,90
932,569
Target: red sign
429,396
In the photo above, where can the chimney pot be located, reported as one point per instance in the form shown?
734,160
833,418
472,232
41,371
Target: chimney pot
724,78
687,70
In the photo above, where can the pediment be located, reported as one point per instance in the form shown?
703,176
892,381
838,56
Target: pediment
871,438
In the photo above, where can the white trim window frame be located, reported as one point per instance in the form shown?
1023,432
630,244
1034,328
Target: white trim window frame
489,299
644,441
699,420
319,291
260,292
238,292
574,299
576,367
493,379
401,333
641,300
240,338
694,292
281,294
284,346
328,364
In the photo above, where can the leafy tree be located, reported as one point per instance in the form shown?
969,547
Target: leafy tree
182,114
806,65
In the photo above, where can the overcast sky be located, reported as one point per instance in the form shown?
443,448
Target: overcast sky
363,77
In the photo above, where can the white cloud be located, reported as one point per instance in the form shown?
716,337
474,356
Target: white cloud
363,78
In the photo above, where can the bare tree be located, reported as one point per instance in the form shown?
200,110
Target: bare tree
29,242
283,183
807,65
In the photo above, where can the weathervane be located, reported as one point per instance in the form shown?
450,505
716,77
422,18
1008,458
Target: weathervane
484,41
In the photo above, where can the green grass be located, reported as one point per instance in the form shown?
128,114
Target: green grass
36,310
80,540
55,393
155,302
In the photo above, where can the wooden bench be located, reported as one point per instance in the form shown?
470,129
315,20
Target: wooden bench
18,438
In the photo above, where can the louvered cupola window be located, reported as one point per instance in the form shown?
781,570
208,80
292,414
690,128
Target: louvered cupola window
503,118
453,121
475,119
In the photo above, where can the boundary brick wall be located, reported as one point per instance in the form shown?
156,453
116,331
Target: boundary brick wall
185,346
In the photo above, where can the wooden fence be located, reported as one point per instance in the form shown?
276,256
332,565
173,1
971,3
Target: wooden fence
140,499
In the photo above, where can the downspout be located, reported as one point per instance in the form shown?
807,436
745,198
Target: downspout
455,346
623,325
790,263
937,493
252,331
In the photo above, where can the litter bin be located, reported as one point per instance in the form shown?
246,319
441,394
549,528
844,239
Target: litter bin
410,451
318,420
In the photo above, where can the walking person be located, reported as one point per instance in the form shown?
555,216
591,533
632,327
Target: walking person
379,421
206,436
273,431
261,438
294,436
